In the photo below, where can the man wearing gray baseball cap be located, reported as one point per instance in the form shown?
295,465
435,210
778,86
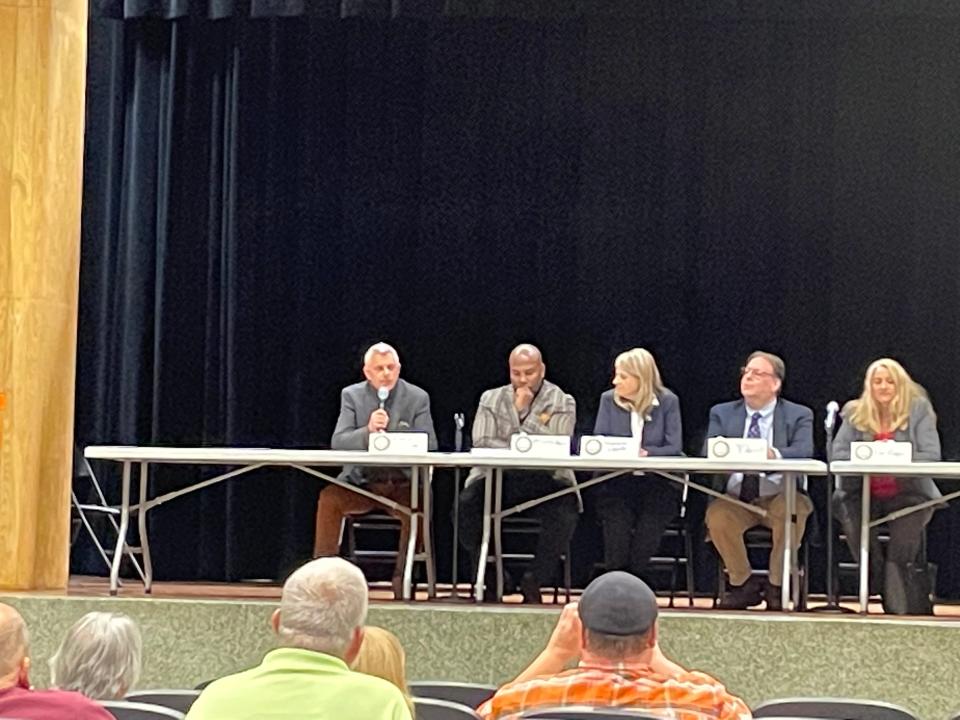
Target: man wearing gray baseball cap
612,633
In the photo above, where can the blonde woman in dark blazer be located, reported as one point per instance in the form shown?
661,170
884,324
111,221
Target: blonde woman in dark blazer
891,407
635,511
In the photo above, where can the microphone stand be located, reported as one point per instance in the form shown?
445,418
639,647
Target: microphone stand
833,605
458,423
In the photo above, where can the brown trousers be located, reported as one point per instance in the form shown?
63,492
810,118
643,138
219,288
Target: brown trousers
728,522
336,502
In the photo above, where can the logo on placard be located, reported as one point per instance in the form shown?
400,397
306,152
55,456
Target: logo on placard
721,448
524,444
381,442
864,452
592,446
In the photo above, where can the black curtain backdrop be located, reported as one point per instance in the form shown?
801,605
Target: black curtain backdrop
272,185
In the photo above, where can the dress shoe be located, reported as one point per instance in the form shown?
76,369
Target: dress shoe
772,593
530,588
740,597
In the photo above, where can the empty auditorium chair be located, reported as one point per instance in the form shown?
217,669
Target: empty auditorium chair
124,710
430,709
831,709
179,700
469,694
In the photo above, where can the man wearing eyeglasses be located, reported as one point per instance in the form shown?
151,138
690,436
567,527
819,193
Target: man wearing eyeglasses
788,430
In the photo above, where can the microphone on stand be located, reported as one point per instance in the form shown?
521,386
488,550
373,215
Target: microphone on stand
382,394
833,407
458,423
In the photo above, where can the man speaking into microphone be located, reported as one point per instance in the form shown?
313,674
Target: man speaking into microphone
382,402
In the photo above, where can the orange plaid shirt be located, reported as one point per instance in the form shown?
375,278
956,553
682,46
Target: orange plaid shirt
687,696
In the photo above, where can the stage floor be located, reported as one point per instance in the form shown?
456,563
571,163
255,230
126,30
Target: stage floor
88,586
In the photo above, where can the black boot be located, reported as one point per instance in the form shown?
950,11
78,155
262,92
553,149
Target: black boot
740,597
530,587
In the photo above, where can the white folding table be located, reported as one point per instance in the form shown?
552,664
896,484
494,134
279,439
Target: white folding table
672,468
246,460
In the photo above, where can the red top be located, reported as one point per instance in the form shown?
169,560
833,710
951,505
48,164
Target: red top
18,702
883,487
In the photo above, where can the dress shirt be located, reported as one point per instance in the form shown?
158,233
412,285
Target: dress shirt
637,420
636,426
769,484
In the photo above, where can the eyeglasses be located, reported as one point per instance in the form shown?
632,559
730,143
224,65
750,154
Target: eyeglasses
744,371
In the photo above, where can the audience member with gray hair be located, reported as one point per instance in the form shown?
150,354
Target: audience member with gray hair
17,698
100,656
319,626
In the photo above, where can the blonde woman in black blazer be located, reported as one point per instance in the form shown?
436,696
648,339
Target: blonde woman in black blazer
635,510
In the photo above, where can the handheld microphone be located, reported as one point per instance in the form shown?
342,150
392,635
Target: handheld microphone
382,394
832,409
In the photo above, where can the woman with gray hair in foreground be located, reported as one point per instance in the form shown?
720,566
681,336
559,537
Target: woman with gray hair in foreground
99,656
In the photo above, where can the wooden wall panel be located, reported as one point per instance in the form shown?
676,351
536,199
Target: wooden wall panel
42,78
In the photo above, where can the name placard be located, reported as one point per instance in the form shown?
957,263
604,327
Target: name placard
398,443
551,446
881,452
740,449
610,448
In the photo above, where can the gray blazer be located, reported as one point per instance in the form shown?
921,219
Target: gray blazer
662,429
552,412
408,407
921,432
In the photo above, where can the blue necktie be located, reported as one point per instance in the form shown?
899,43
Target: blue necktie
750,486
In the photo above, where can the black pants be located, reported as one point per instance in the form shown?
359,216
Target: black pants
903,548
558,518
634,511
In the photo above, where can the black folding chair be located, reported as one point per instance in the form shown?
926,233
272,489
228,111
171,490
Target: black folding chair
123,710
179,700
590,713
430,709
469,694
832,709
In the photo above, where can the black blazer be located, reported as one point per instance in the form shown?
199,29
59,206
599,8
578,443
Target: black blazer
662,428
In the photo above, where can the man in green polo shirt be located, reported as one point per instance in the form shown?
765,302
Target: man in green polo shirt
320,628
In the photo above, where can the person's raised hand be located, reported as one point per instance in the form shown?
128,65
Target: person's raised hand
565,642
378,420
522,397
